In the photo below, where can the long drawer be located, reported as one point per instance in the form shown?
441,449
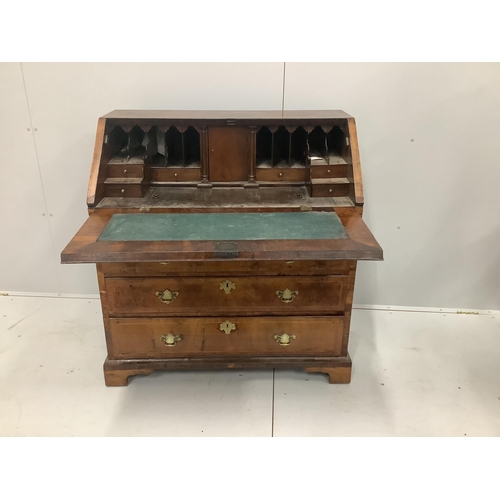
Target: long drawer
209,296
133,338
230,268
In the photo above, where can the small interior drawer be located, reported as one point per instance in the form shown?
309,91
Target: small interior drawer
328,171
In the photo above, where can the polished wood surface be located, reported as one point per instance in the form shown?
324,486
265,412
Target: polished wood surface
175,174
276,174
224,115
358,196
328,171
336,375
226,268
329,189
253,296
117,371
229,154
125,189
134,170
95,190
199,337
119,377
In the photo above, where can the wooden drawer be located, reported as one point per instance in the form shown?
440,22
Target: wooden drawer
328,171
198,337
189,296
231,268
175,174
126,171
287,174
135,190
327,190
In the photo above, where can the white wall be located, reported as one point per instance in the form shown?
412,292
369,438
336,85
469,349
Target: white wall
429,139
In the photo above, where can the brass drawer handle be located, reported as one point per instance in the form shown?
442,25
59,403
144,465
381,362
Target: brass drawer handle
167,296
227,327
284,339
287,295
170,340
227,286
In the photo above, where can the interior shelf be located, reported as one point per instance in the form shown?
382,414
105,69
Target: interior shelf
129,147
325,147
281,148
161,148
264,147
300,148
192,198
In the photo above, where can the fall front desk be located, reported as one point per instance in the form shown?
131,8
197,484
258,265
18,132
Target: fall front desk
214,246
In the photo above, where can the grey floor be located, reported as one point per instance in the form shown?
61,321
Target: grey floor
414,374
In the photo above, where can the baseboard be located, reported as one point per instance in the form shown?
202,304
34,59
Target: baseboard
439,310
371,307
92,296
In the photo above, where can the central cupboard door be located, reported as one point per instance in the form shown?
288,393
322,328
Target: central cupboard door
228,154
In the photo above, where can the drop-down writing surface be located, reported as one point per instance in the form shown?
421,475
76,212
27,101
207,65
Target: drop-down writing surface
359,244
224,226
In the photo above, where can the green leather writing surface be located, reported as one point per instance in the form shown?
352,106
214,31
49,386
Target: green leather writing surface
224,226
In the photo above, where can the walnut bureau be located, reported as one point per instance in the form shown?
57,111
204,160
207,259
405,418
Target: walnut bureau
225,239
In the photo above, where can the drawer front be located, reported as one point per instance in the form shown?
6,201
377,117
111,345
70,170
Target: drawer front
328,171
284,268
175,174
124,190
276,174
214,296
326,190
125,170
225,336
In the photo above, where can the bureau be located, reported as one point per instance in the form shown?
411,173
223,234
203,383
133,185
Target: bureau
225,240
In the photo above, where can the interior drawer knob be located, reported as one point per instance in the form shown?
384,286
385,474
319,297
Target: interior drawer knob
167,296
227,286
286,295
170,340
284,339
227,327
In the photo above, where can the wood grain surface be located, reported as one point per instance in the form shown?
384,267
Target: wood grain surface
202,296
199,337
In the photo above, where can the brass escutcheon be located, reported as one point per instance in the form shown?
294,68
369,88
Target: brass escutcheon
284,339
170,340
286,295
227,286
227,327
167,296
